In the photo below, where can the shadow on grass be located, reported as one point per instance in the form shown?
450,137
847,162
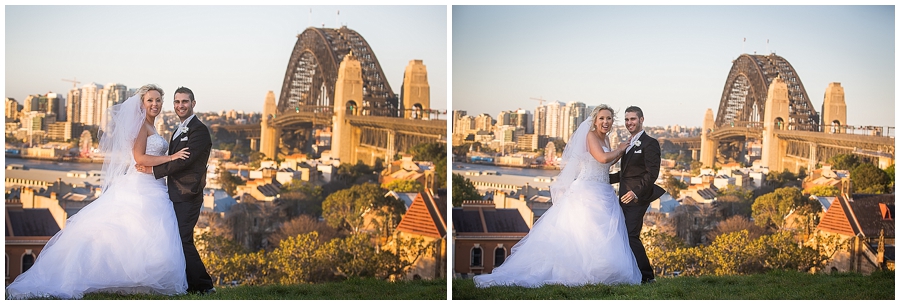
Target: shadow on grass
775,285
352,289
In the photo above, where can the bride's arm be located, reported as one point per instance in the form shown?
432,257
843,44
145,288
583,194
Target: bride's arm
140,151
596,150
619,156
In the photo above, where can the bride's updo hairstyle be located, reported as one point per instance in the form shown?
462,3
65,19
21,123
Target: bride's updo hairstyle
146,88
596,110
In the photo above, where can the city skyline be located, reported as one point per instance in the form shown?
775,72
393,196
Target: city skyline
503,57
213,51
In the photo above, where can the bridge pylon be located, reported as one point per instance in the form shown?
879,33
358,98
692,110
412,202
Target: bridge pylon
348,97
834,109
415,92
269,133
708,146
777,111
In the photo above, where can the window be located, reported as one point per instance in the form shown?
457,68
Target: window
27,260
477,257
499,256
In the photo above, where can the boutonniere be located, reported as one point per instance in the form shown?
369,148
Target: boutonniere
183,129
637,143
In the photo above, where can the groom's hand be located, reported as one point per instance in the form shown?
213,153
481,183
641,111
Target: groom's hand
628,197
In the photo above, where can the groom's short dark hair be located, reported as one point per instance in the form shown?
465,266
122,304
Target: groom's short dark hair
634,109
185,90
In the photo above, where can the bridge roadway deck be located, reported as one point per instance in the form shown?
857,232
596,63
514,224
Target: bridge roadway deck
428,127
873,143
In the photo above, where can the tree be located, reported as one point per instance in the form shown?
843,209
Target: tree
404,186
300,198
351,174
463,189
303,224
345,209
228,181
772,208
890,172
844,161
734,224
824,191
560,145
734,200
673,186
432,151
440,173
695,167
779,180
866,178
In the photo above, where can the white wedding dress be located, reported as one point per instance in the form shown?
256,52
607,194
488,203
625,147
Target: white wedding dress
580,240
125,242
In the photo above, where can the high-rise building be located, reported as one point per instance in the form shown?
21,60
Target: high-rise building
554,119
503,118
464,125
73,111
90,104
524,119
32,103
12,109
540,120
111,94
56,105
572,116
457,115
484,122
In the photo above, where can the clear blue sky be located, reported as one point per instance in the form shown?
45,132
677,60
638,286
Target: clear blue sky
670,60
230,56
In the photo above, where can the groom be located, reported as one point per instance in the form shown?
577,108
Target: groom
639,170
187,178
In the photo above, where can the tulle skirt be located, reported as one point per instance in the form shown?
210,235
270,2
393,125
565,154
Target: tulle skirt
125,242
580,240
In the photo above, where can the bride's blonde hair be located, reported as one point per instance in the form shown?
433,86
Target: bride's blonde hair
596,110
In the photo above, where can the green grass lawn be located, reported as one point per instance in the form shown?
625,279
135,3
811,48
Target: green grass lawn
776,285
353,289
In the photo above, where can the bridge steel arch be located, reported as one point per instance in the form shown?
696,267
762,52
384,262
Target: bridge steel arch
744,96
312,72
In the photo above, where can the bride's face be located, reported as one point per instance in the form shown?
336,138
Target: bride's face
604,121
151,103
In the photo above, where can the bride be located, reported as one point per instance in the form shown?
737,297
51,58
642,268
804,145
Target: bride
127,240
582,238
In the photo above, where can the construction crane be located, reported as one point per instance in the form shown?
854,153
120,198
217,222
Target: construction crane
74,82
541,99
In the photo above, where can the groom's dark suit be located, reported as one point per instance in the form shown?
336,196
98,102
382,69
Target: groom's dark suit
187,178
639,170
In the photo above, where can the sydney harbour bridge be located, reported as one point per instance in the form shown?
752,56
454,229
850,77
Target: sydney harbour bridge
334,85
765,100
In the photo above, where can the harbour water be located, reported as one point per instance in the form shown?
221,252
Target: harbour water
518,171
53,165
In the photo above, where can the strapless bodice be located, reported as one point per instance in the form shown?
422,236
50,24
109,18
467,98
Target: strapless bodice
593,170
157,145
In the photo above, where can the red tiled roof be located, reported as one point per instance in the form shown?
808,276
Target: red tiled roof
863,215
425,217
836,220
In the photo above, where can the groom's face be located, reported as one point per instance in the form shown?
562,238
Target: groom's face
184,106
633,123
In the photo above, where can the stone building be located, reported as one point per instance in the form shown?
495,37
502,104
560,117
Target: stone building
865,224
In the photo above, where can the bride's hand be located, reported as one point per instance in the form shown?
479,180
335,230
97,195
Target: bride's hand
623,146
181,154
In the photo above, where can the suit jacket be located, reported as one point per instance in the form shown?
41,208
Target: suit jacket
639,170
187,177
